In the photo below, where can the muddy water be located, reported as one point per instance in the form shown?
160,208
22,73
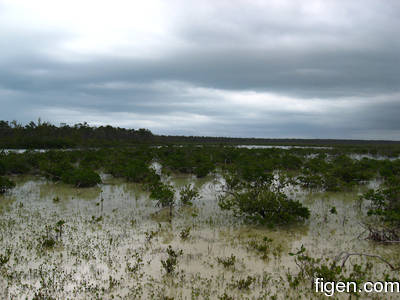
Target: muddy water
114,239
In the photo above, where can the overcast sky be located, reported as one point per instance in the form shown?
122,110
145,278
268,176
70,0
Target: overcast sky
299,69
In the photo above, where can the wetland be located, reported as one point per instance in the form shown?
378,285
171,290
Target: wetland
211,222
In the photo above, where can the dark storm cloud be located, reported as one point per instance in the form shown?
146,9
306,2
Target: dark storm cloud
297,69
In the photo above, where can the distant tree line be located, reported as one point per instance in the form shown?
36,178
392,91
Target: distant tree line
44,135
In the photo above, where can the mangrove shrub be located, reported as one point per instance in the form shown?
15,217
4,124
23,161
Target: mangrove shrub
264,206
5,184
81,177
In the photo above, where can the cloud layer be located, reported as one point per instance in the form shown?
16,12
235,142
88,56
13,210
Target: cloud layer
304,69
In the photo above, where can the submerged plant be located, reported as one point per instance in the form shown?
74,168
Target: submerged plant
185,233
262,247
227,262
137,265
225,296
4,258
48,242
150,234
244,283
171,262
59,227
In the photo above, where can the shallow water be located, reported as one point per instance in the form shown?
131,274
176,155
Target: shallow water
281,147
114,239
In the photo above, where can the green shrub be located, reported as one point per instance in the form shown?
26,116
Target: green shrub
5,184
163,193
264,206
54,170
188,194
81,177
203,169
2,168
385,205
16,164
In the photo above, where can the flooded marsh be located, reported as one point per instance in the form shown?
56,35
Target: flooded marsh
112,241
195,223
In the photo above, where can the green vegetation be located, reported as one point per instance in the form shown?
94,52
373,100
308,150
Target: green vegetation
185,233
163,194
244,283
263,205
5,184
240,212
44,135
81,177
171,262
188,194
227,262
384,211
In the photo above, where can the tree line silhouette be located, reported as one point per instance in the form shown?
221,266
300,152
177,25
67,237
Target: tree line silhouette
44,135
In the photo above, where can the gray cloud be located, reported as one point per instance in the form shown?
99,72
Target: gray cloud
283,69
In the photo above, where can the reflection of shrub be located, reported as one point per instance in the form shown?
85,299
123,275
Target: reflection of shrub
5,184
81,177
262,205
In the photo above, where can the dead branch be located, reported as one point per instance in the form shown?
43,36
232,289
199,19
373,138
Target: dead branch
344,256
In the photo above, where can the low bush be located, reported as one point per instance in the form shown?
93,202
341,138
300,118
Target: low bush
188,194
81,177
265,206
163,194
5,184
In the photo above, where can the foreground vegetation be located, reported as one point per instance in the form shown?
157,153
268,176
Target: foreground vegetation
200,222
